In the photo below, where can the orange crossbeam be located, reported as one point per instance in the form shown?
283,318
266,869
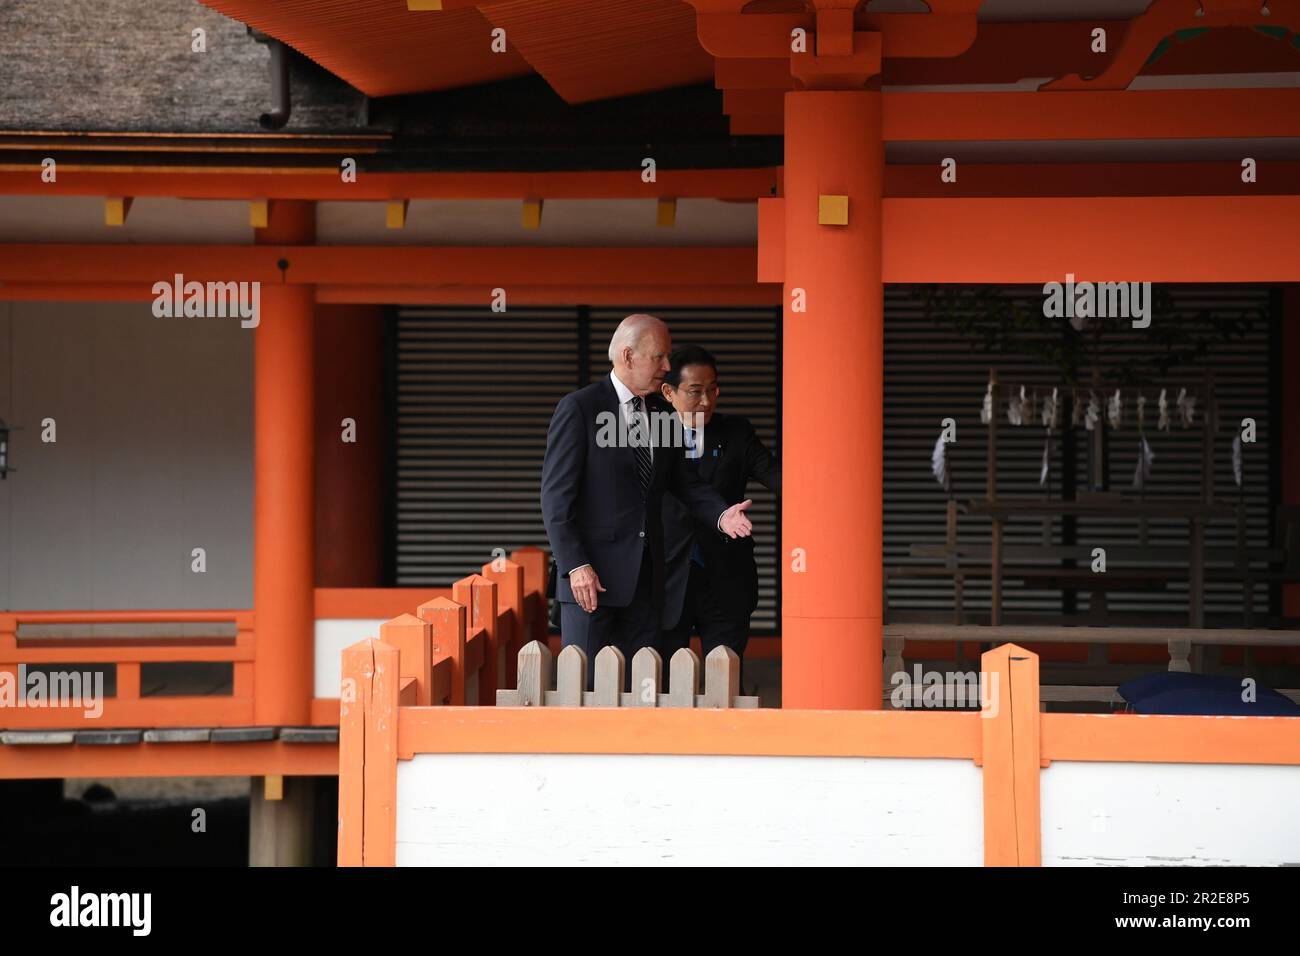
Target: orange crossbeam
255,759
1091,115
326,184
1160,239
1156,239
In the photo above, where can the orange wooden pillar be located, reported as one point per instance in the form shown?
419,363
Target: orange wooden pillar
832,390
283,486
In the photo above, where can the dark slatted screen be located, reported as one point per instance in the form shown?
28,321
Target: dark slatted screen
932,373
474,393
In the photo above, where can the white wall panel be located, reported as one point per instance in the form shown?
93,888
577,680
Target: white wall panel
332,636
627,810
154,458
1160,814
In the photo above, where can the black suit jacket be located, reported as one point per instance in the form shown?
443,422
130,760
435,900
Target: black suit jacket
733,454
591,499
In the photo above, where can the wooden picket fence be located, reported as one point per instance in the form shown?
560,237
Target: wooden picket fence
721,680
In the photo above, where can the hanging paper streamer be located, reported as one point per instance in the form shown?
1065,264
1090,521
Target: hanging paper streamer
986,411
1115,410
1016,408
1093,414
1051,411
1186,407
1142,412
939,462
1076,413
1236,458
1163,405
1146,457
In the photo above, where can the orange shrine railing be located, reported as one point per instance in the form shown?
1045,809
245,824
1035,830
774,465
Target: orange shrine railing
477,627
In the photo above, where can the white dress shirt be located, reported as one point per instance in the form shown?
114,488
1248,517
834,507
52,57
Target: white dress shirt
625,397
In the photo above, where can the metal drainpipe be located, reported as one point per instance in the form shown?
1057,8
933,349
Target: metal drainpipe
280,104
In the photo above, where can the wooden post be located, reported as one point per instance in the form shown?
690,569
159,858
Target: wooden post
533,561
609,677
411,637
684,675
284,515
1011,757
368,755
380,841
721,677
1209,414
571,679
833,604
534,674
509,579
479,595
280,826
647,666
991,463
991,486
447,620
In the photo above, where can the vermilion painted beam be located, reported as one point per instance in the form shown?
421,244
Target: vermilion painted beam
1157,239
170,760
1275,177
379,265
649,296
1091,115
1164,238
1012,51
902,34
1066,115
656,295
326,184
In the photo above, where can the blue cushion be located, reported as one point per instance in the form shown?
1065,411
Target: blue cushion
1169,692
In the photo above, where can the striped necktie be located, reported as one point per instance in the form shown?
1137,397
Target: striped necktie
641,446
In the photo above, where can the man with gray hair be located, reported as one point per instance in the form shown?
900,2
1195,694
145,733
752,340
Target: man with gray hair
602,496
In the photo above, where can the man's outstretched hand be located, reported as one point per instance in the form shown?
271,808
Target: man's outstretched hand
735,522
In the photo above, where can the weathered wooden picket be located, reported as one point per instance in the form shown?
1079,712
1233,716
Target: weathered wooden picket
721,680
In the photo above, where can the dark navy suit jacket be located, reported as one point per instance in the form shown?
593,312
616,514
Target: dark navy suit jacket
732,455
591,499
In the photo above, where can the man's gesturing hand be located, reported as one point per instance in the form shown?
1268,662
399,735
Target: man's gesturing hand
584,583
734,521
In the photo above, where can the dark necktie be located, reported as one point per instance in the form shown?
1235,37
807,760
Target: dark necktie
641,447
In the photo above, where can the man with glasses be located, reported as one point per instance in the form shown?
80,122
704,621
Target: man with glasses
712,582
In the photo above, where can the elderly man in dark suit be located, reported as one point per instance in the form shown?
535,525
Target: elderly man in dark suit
712,580
612,450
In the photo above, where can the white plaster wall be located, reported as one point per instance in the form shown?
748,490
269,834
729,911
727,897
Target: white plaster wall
332,636
1146,814
616,810
154,458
